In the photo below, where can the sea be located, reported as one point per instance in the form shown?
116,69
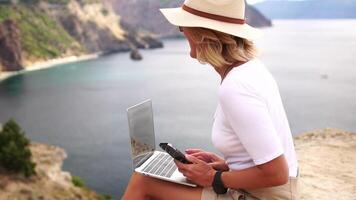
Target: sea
81,106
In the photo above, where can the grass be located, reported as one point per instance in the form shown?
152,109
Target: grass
77,181
41,37
105,197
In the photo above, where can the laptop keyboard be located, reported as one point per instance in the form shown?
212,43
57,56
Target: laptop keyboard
161,165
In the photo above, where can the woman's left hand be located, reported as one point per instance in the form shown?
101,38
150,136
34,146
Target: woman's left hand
198,172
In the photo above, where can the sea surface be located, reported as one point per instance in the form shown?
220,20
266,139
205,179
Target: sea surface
81,106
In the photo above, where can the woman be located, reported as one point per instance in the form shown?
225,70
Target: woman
250,127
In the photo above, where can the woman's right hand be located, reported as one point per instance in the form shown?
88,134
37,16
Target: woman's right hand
212,159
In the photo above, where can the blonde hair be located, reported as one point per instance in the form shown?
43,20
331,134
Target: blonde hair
220,49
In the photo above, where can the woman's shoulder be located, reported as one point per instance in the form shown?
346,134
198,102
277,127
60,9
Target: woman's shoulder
244,74
246,78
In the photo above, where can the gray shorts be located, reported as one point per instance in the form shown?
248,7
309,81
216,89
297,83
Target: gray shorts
288,191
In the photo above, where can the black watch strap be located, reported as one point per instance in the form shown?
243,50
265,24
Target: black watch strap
217,184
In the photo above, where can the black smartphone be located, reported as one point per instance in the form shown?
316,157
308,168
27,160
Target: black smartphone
175,153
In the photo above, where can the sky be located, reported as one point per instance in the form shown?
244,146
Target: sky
257,1
254,1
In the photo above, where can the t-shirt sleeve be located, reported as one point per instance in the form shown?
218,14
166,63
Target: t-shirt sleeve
248,116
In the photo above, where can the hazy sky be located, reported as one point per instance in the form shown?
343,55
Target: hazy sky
254,1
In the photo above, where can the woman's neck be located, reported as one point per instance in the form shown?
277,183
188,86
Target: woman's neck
223,71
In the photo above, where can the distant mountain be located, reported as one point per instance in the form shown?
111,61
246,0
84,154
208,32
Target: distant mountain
145,15
308,9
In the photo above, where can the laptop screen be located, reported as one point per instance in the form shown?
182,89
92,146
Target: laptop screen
141,129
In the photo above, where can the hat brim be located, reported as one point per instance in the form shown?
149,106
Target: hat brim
180,17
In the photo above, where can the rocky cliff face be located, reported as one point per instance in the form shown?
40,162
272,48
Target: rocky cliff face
10,47
99,29
54,30
146,15
50,183
255,18
93,25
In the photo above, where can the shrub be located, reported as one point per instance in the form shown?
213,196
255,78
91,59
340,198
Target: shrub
104,12
105,197
15,156
77,181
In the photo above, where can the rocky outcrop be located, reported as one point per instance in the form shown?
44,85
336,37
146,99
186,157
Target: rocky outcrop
135,55
140,39
255,18
54,30
93,25
326,159
98,28
50,183
146,15
10,47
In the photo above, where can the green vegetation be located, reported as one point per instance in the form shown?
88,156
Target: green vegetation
15,156
104,11
58,1
41,37
28,1
105,197
5,1
77,181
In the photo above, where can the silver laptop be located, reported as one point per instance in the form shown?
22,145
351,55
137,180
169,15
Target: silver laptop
145,158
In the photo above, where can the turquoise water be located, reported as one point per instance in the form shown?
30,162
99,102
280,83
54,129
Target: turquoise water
82,106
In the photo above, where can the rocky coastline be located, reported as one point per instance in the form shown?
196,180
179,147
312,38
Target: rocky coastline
63,31
49,63
326,161
73,29
50,182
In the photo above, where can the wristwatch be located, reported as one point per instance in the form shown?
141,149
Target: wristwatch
218,186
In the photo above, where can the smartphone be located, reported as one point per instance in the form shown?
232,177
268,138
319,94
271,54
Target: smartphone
175,153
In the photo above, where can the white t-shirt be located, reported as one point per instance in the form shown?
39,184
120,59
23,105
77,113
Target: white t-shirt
250,124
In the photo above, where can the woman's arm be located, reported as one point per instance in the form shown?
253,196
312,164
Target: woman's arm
215,161
272,173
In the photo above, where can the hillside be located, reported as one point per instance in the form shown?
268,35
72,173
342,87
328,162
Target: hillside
43,30
326,158
308,9
136,14
50,182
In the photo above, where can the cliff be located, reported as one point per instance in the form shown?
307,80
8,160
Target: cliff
50,183
10,48
53,29
327,160
146,15
255,18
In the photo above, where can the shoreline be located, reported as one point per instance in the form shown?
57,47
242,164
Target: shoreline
49,63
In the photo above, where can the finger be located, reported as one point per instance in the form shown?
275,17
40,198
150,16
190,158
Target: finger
182,171
190,151
200,158
204,154
194,159
180,165
213,164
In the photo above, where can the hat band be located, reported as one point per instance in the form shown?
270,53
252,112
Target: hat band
212,16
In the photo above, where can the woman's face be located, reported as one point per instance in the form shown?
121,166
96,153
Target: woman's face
193,52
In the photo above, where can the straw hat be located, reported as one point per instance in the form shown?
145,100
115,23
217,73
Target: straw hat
226,16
